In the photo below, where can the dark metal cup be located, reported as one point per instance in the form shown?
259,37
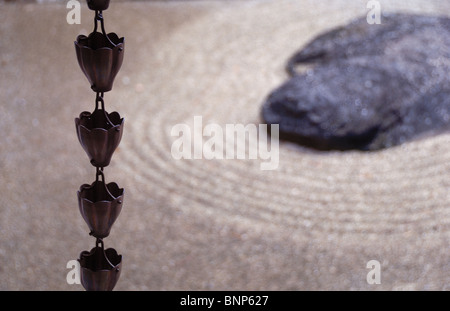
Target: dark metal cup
98,5
100,268
100,204
99,134
100,57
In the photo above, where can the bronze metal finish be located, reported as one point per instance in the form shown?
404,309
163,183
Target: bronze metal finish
100,57
99,133
98,5
100,205
100,268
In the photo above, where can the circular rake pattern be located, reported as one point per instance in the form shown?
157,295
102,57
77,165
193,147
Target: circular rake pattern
390,191
398,190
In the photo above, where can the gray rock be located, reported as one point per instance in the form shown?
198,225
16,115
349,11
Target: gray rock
370,87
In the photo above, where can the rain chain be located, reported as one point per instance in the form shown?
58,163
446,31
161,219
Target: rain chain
100,57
